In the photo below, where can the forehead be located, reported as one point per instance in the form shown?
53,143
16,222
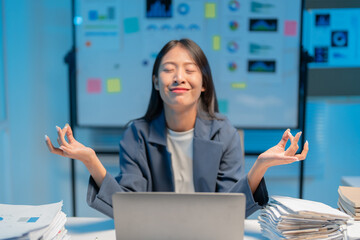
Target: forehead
178,54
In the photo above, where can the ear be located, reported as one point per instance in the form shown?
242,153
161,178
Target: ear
156,83
203,89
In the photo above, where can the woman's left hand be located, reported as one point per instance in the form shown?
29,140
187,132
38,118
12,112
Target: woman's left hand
278,155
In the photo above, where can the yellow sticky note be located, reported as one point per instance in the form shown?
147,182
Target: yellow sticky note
238,85
210,10
113,85
216,42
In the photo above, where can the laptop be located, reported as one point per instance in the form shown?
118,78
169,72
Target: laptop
160,215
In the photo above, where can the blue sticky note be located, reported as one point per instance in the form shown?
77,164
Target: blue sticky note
33,219
131,25
93,15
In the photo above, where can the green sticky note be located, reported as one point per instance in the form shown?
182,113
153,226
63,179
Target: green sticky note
223,106
216,42
113,85
210,10
131,25
238,85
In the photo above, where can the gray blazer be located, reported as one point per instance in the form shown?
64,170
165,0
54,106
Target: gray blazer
145,164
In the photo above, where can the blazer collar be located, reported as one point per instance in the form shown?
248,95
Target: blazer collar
204,129
207,153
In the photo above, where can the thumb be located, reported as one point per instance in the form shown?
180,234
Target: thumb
284,139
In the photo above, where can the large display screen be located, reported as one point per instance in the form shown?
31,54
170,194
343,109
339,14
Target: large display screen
253,48
332,37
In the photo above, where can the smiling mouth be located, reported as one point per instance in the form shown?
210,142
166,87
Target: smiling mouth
179,90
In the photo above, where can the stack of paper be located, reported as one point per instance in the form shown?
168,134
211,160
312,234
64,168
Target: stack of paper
292,218
349,201
32,222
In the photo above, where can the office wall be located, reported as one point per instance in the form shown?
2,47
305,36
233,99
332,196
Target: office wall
333,127
4,135
36,36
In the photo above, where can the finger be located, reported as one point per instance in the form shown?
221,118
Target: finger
66,150
286,158
61,136
69,133
304,152
291,160
51,147
294,144
284,139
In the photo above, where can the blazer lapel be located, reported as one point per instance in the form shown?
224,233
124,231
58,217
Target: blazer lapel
206,155
162,173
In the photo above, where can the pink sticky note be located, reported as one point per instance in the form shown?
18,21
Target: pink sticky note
290,28
93,85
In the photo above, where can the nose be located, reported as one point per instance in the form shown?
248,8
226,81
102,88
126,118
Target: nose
179,76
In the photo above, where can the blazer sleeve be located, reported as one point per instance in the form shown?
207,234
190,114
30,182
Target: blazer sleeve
130,178
232,176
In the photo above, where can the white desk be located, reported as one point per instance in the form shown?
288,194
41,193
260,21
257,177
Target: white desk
103,229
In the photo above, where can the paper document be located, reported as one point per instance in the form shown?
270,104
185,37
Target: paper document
301,206
293,218
19,220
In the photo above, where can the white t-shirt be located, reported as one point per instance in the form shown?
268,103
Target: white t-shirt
180,145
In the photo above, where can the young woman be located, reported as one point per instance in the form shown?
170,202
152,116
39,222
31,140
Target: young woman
182,143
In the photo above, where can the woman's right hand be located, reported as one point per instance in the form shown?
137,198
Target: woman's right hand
71,149
75,150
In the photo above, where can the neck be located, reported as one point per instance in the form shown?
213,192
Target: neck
180,120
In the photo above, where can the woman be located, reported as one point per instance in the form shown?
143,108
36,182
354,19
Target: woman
182,143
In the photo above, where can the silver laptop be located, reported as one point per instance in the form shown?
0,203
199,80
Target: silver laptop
179,216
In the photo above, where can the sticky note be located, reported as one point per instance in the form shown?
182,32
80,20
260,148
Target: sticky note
216,42
238,85
93,15
223,106
113,85
210,10
290,28
93,85
33,219
23,219
131,25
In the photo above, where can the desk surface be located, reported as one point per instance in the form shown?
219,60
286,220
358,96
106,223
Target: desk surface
103,229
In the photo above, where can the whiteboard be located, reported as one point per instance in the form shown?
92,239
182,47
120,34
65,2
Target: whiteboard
252,46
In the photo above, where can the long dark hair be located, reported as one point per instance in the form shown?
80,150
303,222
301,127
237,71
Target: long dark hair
208,103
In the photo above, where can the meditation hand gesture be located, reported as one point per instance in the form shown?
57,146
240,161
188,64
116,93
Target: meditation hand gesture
72,148
75,150
277,155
